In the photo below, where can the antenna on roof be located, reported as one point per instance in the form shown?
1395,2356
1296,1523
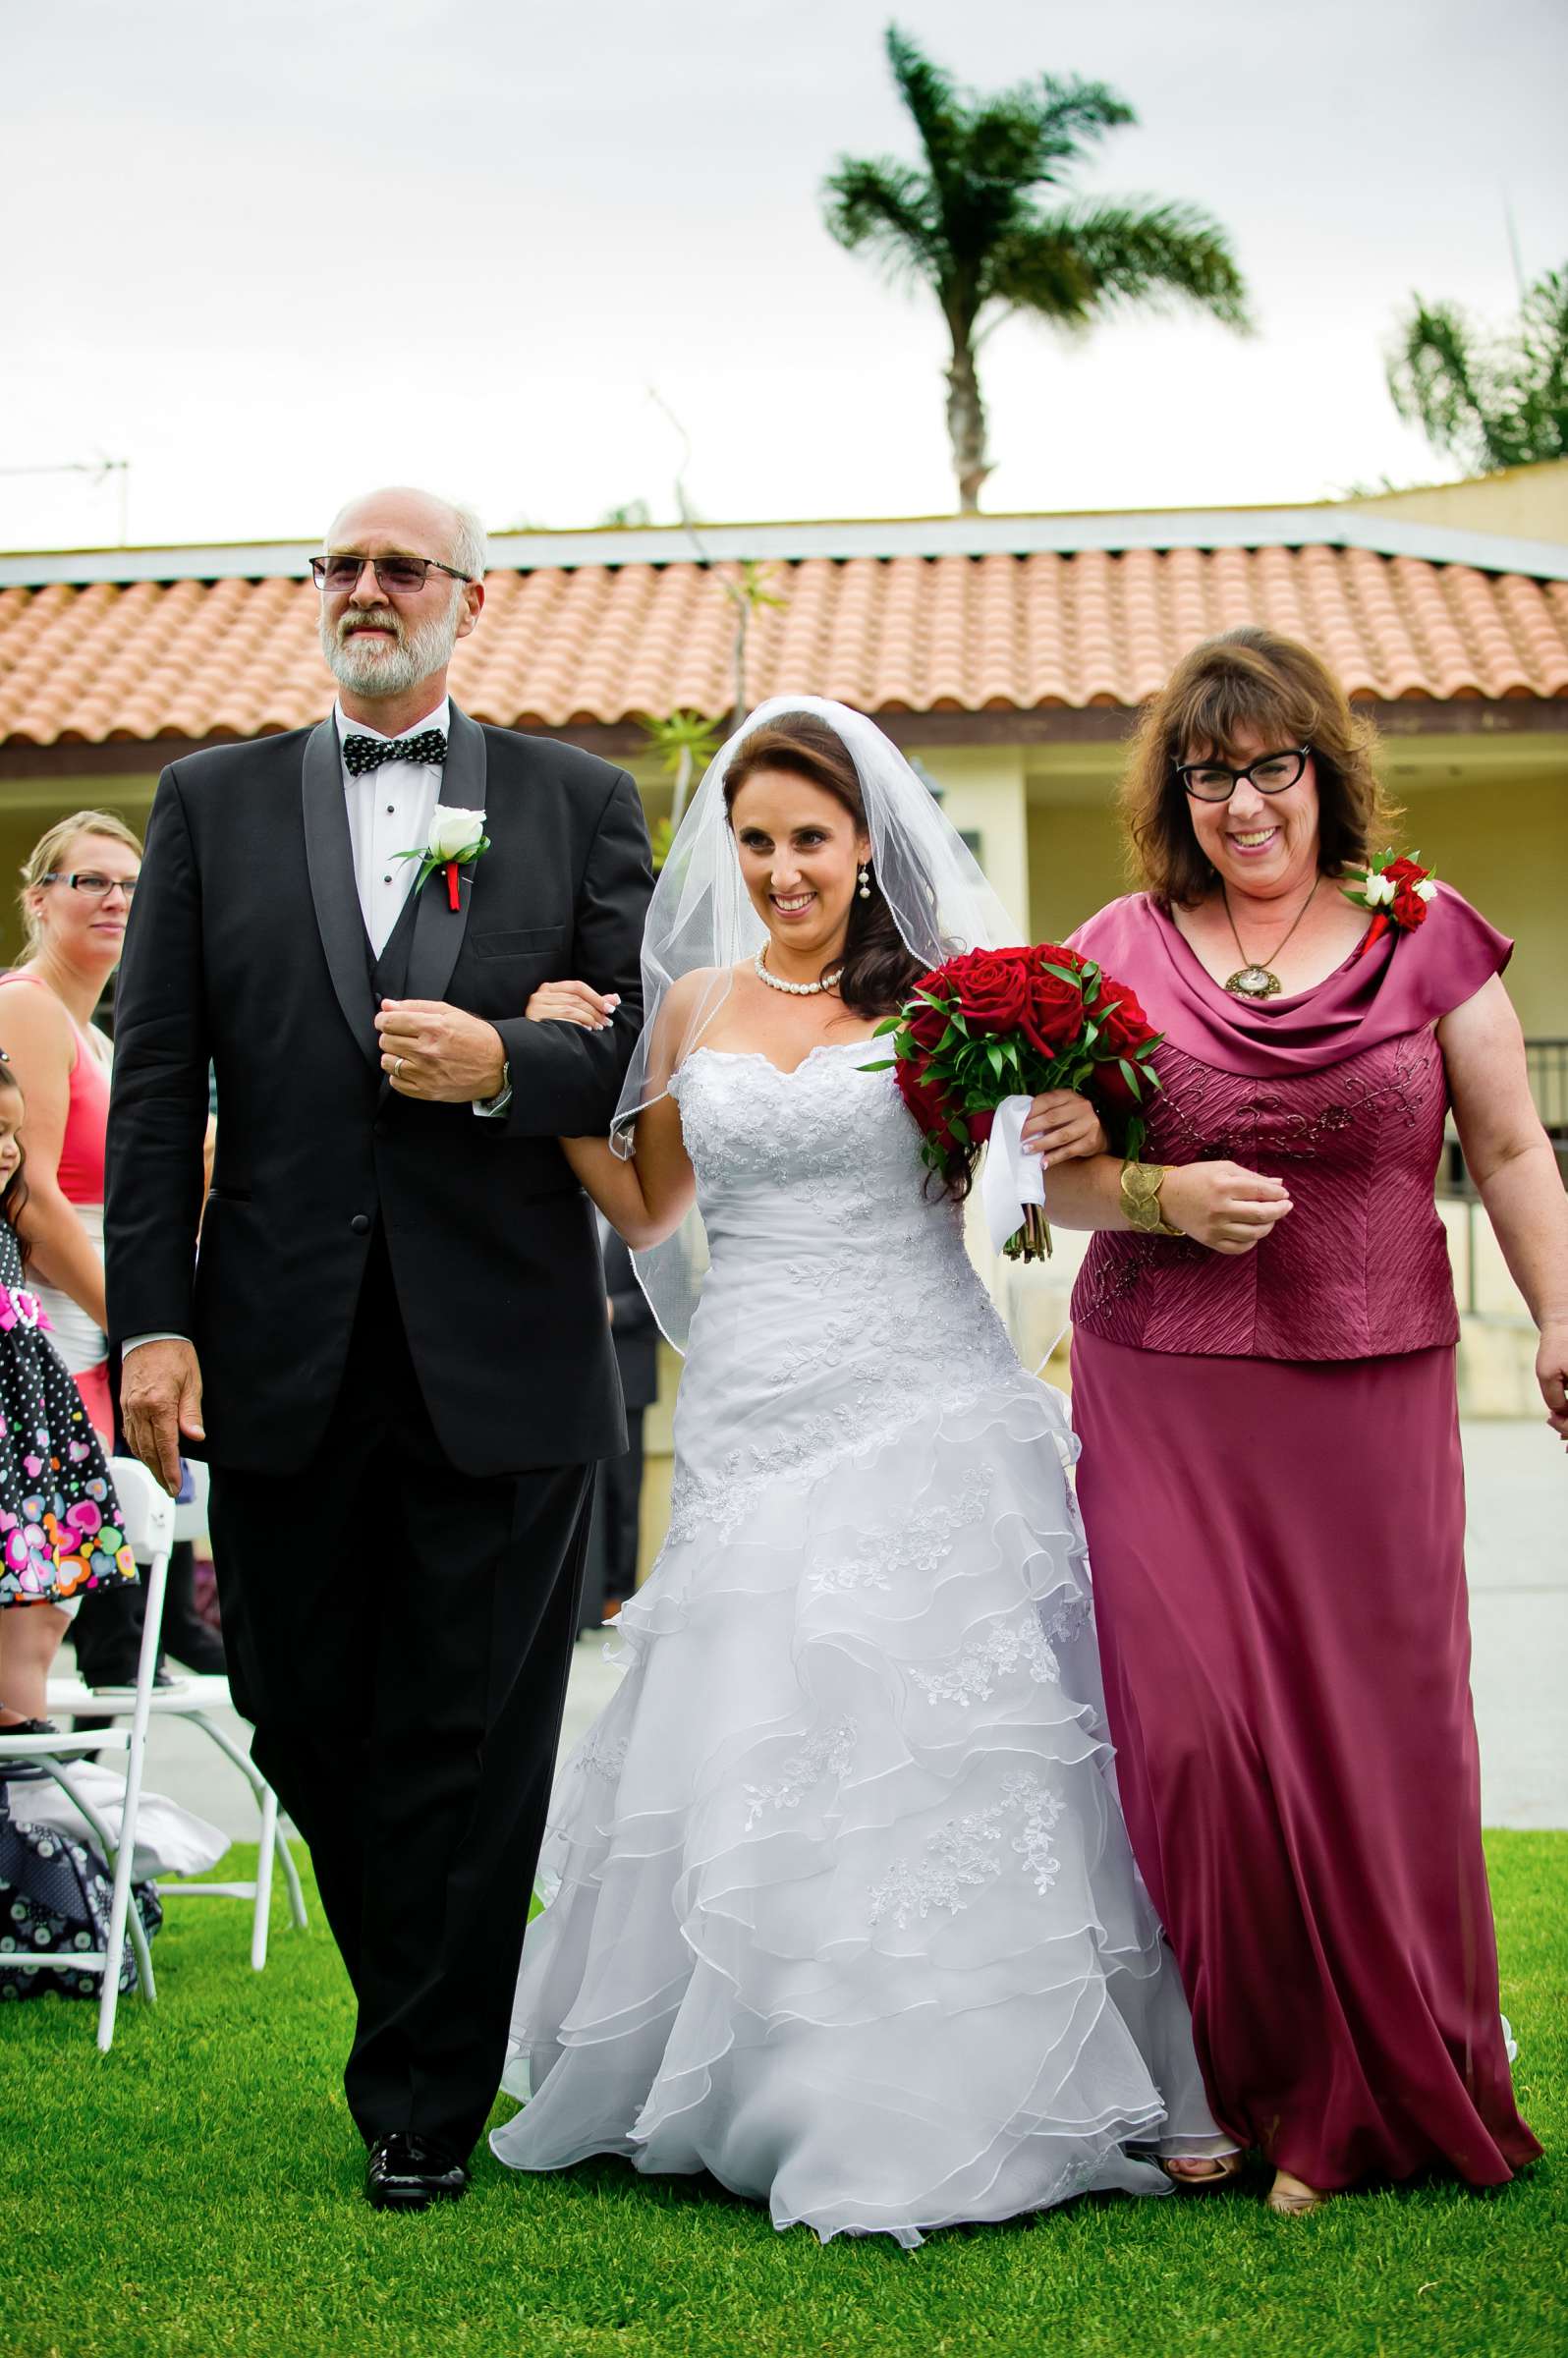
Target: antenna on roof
101,469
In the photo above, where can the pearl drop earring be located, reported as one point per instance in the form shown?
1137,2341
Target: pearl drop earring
866,883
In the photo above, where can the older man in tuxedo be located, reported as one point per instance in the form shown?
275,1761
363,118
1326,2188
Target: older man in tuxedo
393,1346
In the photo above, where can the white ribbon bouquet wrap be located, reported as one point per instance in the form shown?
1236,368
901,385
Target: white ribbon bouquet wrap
1012,1182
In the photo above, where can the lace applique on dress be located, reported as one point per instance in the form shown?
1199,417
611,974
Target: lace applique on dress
826,1754
1069,1620
1007,1646
922,1544
839,1304
717,1501
601,1756
966,1854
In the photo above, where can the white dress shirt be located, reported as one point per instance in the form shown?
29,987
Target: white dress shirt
390,809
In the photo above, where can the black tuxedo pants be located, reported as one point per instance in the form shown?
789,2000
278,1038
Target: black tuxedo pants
399,1634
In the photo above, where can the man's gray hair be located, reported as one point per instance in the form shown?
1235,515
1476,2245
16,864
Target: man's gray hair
471,552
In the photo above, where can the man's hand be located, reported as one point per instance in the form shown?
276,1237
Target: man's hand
439,1053
160,1399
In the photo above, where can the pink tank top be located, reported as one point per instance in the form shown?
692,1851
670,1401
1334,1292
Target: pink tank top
81,1150
1341,1091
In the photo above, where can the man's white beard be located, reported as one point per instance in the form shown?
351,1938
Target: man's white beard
372,666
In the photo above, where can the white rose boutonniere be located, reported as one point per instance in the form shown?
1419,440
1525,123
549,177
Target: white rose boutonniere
457,836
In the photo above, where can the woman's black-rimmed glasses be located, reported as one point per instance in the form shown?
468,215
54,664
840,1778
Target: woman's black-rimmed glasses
85,880
1270,773
342,569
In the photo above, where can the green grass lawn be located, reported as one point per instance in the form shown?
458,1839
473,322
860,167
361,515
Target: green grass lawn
198,2192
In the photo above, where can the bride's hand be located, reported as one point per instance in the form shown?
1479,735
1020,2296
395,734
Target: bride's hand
572,1003
1063,1127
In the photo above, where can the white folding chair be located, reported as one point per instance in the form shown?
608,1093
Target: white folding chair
195,1700
148,1525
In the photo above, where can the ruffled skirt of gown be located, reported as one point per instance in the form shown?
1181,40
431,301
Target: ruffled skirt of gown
841,1907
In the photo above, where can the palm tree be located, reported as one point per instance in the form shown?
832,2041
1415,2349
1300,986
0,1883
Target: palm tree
969,227
1488,401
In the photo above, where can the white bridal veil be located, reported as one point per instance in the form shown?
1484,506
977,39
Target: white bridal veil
701,924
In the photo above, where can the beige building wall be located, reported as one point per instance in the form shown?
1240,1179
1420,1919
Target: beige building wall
984,795
1499,832
1527,503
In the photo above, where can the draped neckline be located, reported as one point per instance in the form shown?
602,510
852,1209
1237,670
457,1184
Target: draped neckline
1403,981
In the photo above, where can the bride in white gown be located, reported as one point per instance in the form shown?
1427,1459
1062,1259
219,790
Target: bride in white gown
840,1906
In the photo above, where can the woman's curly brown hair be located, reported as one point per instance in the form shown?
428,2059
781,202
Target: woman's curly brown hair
1255,682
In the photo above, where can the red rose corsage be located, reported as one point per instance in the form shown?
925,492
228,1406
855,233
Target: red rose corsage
1398,892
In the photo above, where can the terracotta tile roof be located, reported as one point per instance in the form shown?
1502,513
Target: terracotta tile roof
574,645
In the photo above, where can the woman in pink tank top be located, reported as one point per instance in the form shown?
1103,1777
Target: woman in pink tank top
76,899
76,895
1263,1385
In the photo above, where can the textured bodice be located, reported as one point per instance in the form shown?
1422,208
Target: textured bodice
1358,1267
839,1300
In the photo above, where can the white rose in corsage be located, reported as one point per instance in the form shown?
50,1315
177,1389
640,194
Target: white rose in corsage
457,836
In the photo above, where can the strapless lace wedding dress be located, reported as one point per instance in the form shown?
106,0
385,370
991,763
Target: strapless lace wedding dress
840,1903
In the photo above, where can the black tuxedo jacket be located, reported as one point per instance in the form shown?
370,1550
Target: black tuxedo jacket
247,948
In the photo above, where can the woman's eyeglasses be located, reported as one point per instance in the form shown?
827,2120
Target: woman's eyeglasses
1270,773
85,880
392,574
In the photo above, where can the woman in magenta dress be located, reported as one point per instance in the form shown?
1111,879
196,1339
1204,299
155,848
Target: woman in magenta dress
1264,1385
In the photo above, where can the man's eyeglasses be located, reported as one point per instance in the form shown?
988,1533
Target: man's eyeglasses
87,881
394,575
1270,773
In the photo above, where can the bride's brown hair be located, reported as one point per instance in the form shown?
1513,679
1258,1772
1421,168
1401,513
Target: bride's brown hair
879,972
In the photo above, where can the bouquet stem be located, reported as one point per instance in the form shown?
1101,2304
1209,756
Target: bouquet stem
1031,1241
452,900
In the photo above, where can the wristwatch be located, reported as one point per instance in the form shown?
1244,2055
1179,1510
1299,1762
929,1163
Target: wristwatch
1140,1192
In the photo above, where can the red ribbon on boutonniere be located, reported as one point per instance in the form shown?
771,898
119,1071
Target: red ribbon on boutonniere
457,836
1398,893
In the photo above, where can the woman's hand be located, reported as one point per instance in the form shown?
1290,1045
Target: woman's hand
572,1003
1551,1373
1223,1206
1063,1127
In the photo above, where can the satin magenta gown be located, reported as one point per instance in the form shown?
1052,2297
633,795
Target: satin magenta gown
1273,1498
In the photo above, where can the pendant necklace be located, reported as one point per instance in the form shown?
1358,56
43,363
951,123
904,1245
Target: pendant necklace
1252,979
808,991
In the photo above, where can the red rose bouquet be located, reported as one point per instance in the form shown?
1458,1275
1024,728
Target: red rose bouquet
1398,892
990,1029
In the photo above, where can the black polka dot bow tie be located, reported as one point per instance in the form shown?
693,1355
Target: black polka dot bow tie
360,754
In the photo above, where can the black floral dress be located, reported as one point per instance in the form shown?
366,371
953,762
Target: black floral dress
60,1527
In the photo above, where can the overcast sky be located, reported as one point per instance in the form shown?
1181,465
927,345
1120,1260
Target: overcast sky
277,251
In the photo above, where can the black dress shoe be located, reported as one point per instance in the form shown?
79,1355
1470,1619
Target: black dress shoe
405,2172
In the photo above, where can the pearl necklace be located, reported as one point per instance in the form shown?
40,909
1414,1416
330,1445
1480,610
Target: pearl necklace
798,990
